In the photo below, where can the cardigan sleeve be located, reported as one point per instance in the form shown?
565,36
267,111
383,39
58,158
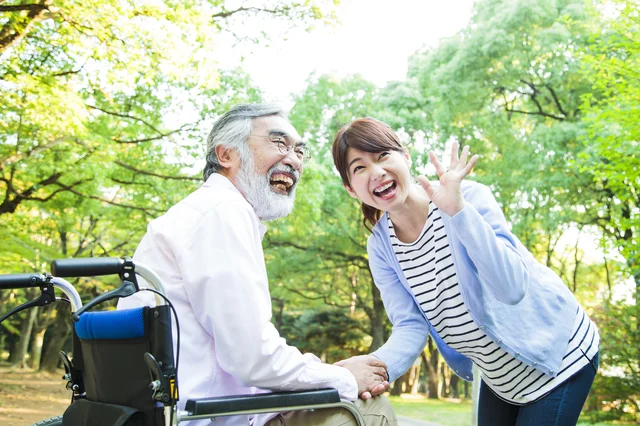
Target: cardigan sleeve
410,331
483,231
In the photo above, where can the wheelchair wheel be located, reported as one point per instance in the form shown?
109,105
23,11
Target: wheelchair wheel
53,421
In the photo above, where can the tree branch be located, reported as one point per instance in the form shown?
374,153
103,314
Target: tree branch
20,7
544,114
127,116
113,203
507,105
9,205
324,298
556,100
154,138
143,172
227,13
12,31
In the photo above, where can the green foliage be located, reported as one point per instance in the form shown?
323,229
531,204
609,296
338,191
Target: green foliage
317,256
612,113
546,93
327,332
105,106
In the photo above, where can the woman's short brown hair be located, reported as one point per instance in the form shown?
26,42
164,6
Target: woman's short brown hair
368,135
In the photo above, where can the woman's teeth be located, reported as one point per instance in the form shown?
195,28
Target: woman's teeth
379,190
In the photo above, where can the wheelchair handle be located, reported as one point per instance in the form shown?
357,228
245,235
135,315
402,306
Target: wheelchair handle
95,266
33,280
87,267
12,281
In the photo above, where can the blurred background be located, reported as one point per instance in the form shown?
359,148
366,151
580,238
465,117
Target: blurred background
105,106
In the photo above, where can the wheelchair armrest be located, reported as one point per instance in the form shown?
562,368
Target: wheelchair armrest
224,404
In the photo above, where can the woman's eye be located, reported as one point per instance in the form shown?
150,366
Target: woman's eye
382,155
356,168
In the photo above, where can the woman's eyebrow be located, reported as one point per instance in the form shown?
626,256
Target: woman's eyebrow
353,161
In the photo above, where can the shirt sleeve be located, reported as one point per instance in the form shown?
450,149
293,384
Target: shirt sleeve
482,229
410,332
225,278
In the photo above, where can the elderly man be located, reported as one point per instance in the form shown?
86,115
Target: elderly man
208,251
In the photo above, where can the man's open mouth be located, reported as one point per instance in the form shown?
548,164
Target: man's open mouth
385,190
282,183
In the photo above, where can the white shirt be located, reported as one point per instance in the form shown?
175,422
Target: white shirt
208,251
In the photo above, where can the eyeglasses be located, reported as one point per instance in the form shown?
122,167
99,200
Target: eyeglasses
286,145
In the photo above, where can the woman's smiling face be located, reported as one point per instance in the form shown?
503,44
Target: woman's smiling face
379,179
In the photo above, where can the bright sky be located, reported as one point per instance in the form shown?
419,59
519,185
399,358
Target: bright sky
374,38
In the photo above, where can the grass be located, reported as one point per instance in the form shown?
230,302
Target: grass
449,412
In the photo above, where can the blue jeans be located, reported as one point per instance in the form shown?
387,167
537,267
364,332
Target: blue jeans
561,407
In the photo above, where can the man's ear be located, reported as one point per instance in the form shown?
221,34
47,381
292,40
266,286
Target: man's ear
350,191
226,156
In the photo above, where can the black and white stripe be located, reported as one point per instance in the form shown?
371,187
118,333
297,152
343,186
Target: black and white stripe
428,266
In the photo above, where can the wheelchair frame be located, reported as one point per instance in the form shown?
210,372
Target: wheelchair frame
195,409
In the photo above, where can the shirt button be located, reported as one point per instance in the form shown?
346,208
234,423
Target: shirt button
517,354
499,341
551,372
533,364
482,327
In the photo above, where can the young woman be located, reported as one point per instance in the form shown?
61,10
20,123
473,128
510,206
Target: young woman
446,264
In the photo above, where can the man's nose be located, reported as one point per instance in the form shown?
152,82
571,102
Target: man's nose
293,160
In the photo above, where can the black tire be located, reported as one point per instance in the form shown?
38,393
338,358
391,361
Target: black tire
53,421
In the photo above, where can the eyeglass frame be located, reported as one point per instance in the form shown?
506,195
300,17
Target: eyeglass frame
285,148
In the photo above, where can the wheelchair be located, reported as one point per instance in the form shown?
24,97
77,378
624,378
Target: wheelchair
123,370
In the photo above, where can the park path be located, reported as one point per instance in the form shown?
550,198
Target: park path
406,421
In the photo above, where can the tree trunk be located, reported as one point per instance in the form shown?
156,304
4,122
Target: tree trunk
35,352
414,379
377,319
432,371
444,384
25,336
453,385
397,385
60,330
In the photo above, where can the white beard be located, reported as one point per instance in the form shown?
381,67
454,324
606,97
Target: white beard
267,204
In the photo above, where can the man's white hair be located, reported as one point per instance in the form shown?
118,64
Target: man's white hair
233,129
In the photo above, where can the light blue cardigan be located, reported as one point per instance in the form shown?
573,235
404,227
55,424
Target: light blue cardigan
519,303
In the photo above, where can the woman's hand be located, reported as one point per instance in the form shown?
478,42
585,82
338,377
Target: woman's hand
370,374
448,196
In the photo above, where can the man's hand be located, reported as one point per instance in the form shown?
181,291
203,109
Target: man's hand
370,374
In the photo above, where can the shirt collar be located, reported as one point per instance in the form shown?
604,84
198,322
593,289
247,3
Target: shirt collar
216,179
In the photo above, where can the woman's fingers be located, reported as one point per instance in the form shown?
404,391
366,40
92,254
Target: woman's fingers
467,169
464,155
454,155
436,163
426,185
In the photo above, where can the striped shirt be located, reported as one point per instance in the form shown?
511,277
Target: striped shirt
428,267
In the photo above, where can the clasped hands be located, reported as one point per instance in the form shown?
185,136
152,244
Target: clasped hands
370,374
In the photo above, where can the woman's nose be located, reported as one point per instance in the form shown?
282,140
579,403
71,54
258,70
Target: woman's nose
377,172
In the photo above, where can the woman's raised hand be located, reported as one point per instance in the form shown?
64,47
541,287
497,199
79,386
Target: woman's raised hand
447,196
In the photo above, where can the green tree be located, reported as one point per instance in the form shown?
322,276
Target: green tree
612,114
104,109
317,256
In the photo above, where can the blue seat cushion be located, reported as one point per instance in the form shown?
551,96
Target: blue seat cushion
121,324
